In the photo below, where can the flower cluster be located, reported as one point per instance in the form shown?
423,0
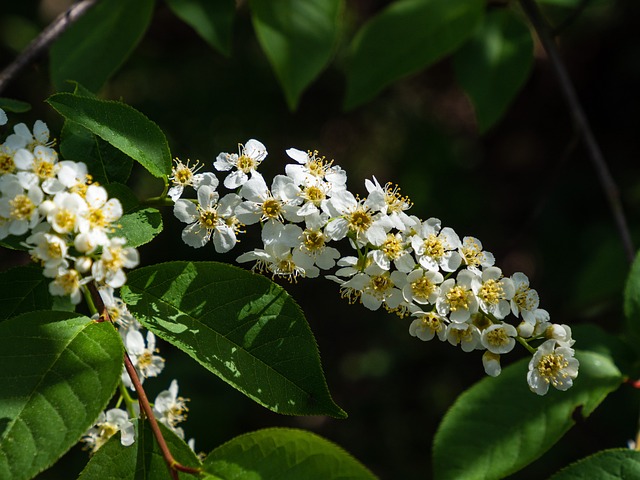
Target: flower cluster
68,223
447,284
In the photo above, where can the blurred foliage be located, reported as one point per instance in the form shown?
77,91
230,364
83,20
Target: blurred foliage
526,189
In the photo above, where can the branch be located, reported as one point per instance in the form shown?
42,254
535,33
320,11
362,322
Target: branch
44,40
582,125
173,465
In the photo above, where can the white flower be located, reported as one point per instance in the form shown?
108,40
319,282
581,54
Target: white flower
210,219
358,218
422,286
313,242
66,213
463,334
170,409
396,204
435,248
525,300
265,205
102,213
19,203
394,249
456,298
117,309
313,169
246,161
280,260
115,256
499,338
3,117
42,162
23,138
494,292
473,256
552,365
375,286
561,334
49,248
491,363
143,356
114,420
427,326
184,175
68,282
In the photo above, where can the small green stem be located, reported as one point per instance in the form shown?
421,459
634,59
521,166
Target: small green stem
526,345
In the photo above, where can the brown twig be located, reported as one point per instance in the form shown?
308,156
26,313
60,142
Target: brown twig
46,38
172,464
582,124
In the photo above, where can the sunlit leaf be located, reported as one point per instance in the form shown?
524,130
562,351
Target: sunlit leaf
286,454
120,125
238,325
499,426
59,371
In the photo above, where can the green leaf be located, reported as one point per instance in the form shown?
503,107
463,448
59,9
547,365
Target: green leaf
59,371
24,289
285,454
95,46
120,125
212,20
515,425
406,37
632,298
298,38
141,461
15,106
238,325
618,464
494,64
105,163
139,225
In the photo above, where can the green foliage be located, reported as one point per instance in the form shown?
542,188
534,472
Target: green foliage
476,438
616,464
632,298
16,106
48,403
95,46
285,454
141,461
238,325
406,37
494,64
119,125
24,289
212,20
106,163
139,225
298,38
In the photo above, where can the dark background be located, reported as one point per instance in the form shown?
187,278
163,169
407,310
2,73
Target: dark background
526,189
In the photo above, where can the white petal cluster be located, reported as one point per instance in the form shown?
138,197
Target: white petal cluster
68,222
108,424
447,283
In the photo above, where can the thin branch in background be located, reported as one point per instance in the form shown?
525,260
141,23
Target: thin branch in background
582,125
44,40
573,16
